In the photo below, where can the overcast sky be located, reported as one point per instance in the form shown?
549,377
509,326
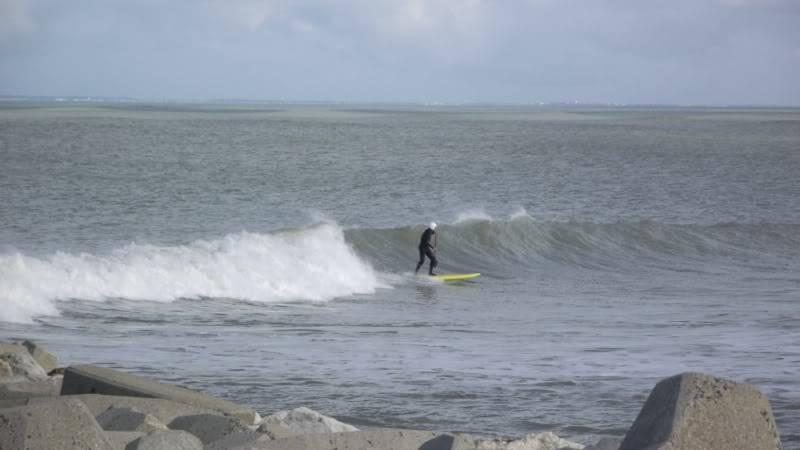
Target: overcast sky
519,51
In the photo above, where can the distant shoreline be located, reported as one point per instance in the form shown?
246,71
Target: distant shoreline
34,99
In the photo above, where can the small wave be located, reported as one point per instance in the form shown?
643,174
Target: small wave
314,264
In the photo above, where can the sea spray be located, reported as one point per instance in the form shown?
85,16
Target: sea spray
314,263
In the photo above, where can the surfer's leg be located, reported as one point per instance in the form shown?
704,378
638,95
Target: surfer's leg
421,260
434,263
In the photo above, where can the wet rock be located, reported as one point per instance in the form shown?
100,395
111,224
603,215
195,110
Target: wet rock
51,425
168,440
127,419
695,411
304,420
208,427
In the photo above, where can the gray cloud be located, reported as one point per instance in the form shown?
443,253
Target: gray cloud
683,51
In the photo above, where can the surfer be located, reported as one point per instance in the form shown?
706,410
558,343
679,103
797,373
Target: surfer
427,249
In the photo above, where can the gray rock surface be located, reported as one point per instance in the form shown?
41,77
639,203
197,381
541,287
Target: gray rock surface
127,419
533,441
89,379
13,402
606,443
388,439
164,410
51,425
120,439
236,440
275,430
168,440
27,389
698,411
304,420
12,348
22,364
47,360
5,369
208,427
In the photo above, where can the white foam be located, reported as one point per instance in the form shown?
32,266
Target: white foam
472,215
315,264
520,213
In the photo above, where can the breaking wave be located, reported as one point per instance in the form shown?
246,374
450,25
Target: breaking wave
314,263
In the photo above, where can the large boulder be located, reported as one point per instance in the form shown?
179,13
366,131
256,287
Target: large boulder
47,360
164,410
168,440
127,419
387,439
237,440
23,365
694,411
304,420
120,439
208,427
27,389
89,379
61,424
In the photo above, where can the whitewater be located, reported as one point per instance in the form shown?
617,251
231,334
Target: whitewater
266,255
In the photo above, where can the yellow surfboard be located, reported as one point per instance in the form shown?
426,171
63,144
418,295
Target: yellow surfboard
455,276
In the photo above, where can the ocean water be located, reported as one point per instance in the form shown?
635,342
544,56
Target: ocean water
265,254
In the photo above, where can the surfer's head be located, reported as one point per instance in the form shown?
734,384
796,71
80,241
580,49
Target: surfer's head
432,226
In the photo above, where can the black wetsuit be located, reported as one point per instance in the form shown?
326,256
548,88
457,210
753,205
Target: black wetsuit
426,249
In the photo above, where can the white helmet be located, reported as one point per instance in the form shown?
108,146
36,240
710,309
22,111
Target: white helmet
432,226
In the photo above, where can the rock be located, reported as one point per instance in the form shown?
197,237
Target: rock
276,430
22,364
5,369
168,440
14,402
12,348
164,410
89,379
27,389
387,439
236,440
696,411
533,441
208,427
47,360
51,425
606,443
304,420
127,419
120,439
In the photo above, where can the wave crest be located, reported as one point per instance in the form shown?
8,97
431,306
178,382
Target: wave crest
315,264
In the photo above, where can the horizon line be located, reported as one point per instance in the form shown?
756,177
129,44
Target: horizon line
250,101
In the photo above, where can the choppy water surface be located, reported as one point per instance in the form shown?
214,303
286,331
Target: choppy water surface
264,254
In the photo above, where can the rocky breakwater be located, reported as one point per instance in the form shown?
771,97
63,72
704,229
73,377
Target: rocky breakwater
88,407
